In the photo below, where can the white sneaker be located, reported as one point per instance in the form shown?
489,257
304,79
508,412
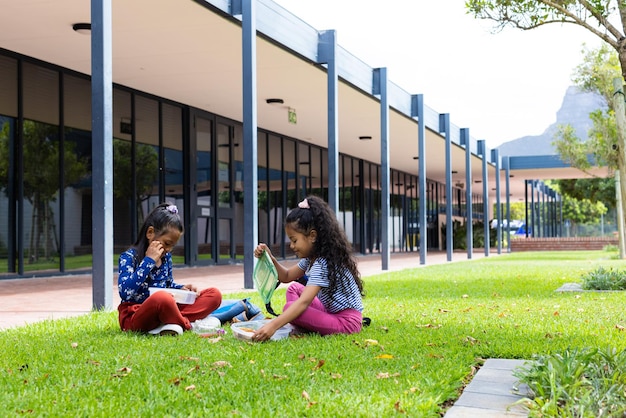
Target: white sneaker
167,329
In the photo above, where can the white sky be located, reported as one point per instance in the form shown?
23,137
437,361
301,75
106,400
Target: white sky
501,86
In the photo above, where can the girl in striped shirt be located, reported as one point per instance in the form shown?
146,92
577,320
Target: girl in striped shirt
331,301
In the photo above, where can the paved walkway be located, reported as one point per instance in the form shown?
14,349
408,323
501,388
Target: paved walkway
492,393
24,301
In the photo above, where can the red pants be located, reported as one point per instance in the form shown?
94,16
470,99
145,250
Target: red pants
161,308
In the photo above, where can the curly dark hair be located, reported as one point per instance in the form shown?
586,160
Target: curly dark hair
331,243
162,218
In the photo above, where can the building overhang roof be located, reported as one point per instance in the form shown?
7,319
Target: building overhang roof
191,52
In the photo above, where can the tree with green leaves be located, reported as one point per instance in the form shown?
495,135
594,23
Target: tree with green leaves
595,74
605,19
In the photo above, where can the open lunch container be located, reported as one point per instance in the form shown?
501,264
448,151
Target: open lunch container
180,295
265,278
244,330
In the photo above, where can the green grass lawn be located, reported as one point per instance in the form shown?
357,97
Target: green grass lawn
431,327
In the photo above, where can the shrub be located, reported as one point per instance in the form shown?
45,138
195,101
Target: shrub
585,382
604,279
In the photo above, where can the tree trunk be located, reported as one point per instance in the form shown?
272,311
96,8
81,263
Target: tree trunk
620,120
620,216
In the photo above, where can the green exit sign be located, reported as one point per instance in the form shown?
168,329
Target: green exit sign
292,116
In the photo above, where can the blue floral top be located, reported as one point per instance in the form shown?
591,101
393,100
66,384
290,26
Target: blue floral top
134,280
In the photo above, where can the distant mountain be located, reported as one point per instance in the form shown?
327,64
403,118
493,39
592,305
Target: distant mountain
574,110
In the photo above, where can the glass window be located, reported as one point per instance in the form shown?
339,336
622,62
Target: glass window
8,111
146,167
172,128
41,153
77,157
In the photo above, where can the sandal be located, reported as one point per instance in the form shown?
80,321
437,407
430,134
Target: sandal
167,329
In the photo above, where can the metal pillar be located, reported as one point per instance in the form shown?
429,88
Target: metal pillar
482,150
327,52
102,154
417,110
466,142
444,128
380,88
250,158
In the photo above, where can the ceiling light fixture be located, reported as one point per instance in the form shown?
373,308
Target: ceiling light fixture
365,138
82,28
274,101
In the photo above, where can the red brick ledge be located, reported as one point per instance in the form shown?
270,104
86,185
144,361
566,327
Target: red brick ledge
562,244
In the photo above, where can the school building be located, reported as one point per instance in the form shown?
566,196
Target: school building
234,110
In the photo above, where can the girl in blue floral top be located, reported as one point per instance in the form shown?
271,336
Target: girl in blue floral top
148,263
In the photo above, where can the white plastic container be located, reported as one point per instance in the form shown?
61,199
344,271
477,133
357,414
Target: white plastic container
244,330
207,327
180,295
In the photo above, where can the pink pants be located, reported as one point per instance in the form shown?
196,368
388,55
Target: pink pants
161,308
315,318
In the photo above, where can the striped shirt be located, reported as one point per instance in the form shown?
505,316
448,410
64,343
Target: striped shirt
346,294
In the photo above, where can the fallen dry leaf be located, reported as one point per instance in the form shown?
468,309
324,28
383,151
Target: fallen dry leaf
384,356
175,381
194,368
123,372
429,326
222,363
443,310
319,365
305,395
397,407
370,342
190,387
336,375
74,345
386,375
619,327
471,340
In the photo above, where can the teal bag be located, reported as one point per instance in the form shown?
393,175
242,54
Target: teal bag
265,278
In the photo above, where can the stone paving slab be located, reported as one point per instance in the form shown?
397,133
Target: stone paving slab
570,287
492,392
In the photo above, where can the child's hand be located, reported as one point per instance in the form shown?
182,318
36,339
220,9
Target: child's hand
155,251
191,288
260,249
264,333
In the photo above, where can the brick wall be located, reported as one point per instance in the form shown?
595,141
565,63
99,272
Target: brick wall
561,244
